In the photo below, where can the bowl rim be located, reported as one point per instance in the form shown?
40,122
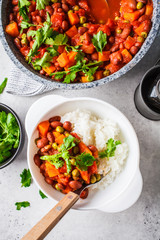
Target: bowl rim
21,138
67,100
143,50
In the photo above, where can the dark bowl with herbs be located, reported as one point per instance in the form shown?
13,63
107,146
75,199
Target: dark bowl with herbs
61,43
11,135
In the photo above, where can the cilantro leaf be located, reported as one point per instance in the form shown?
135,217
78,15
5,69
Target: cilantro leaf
70,77
23,8
25,24
66,156
23,3
25,178
99,40
3,85
41,4
44,61
111,147
68,143
53,51
42,194
59,39
84,160
22,204
54,160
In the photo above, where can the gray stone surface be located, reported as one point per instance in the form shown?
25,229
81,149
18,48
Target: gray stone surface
140,222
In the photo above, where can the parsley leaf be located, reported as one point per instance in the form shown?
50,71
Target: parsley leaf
3,85
99,40
42,194
22,204
54,160
84,160
111,147
25,178
68,143
41,4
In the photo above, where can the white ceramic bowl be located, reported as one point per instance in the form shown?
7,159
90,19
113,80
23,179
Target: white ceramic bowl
126,188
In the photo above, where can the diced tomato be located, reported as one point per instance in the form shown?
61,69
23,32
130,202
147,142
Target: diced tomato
111,24
24,50
84,148
105,28
57,19
84,4
113,68
72,31
71,2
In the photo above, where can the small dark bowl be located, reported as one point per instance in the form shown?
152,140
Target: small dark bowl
16,151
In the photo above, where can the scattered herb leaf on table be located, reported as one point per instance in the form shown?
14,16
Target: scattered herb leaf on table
3,85
22,204
26,178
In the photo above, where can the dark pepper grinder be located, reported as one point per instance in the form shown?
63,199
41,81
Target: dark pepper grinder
147,94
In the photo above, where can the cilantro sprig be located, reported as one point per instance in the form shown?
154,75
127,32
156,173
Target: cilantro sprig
23,8
99,40
41,4
26,178
3,85
42,194
110,150
22,204
84,160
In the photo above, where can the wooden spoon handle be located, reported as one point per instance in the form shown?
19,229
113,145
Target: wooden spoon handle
45,225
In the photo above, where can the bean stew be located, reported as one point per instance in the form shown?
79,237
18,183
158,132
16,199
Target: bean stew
79,41
64,160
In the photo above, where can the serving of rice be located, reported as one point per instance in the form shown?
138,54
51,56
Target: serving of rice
97,131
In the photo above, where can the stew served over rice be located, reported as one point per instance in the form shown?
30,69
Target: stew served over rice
79,41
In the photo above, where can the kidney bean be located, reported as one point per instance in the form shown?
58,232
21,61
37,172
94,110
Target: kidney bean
37,160
114,48
61,187
82,30
59,10
65,7
65,25
38,19
55,124
11,17
143,18
42,13
138,44
92,148
43,167
42,72
84,193
48,180
75,184
17,42
56,5
111,39
50,137
143,1
31,8
121,46
55,118
46,148
15,2
125,33
42,142
35,13
94,56
133,50
132,4
67,126
16,8
49,9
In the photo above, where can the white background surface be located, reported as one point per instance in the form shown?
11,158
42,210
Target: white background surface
140,222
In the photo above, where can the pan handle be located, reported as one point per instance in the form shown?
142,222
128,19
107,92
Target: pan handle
45,225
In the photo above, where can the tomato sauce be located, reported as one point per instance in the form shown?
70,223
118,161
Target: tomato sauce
103,9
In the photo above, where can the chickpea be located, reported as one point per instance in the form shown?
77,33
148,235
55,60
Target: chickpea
54,145
98,177
57,187
75,150
106,73
72,161
59,129
119,31
116,18
82,20
76,8
139,5
144,34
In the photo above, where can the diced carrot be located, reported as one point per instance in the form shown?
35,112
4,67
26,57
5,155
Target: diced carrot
95,154
130,41
73,18
99,75
149,10
89,49
59,139
144,27
72,31
84,79
61,49
12,29
127,57
51,170
56,134
43,128
132,16
63,60
113,68
50,69
85,176
75,135
71,56
84,148
104,56
93,169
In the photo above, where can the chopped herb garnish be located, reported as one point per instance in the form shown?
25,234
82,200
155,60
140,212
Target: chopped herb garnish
99,40
41,4
42,194
3,85
26,178
44,61
84,160
111,147
22,204
23,9
54,160
25,24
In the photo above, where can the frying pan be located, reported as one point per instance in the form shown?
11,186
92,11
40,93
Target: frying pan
18,59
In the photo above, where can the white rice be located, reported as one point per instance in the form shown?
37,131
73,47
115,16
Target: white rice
96,131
